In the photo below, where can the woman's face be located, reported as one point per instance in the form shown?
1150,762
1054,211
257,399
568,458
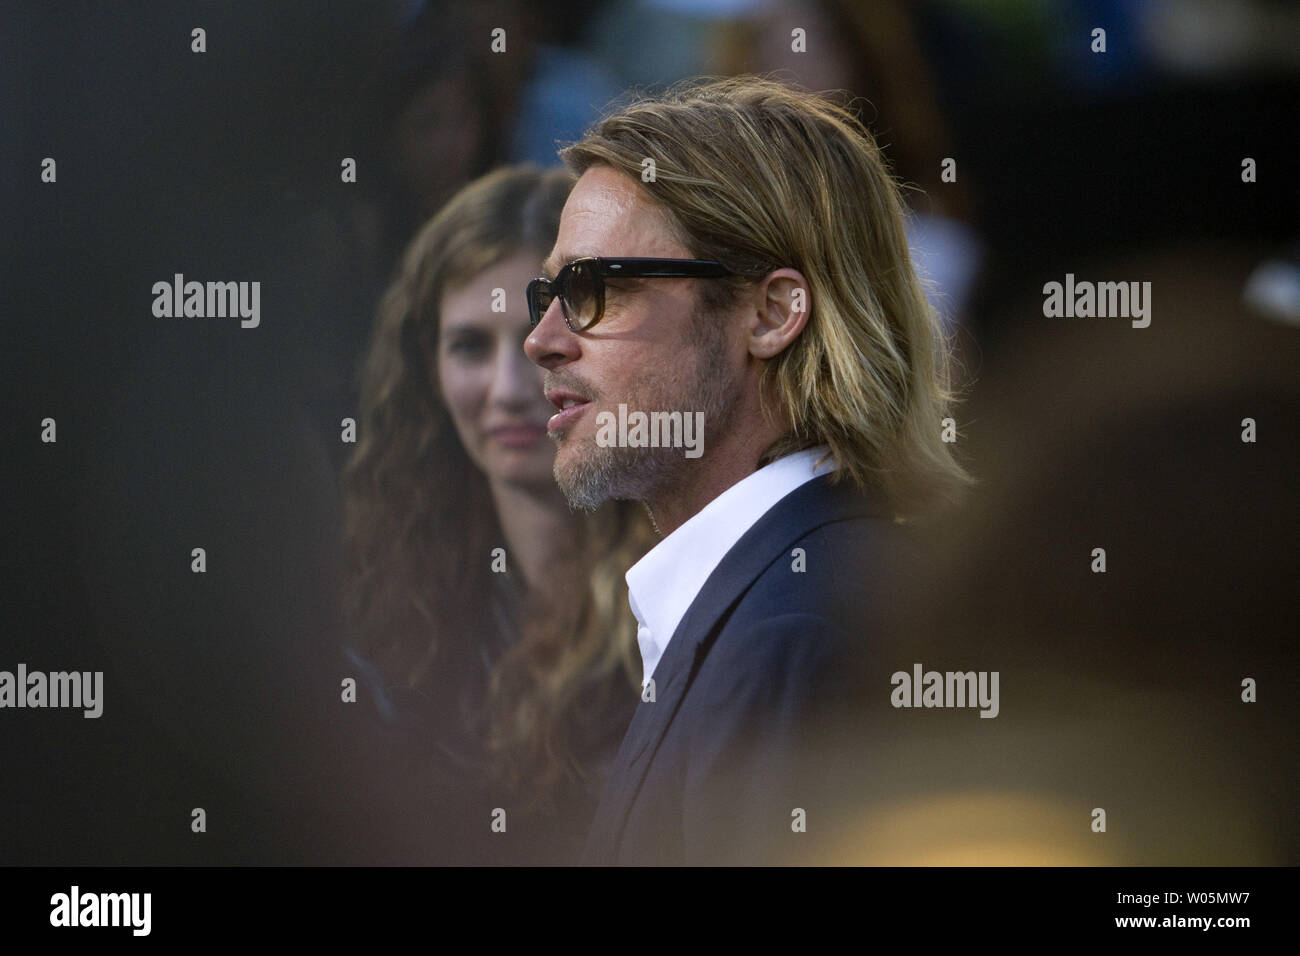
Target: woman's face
492,390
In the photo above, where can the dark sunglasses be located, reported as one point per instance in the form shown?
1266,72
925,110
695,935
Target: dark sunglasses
580,285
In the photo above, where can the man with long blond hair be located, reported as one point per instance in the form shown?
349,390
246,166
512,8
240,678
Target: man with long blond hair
733,253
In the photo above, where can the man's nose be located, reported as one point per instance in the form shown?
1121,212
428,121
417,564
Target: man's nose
551,343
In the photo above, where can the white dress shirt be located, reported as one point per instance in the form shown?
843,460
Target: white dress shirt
664,583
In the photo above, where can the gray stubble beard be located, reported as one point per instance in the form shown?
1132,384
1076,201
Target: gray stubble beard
642,473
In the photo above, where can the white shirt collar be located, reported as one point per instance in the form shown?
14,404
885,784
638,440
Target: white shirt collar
665,582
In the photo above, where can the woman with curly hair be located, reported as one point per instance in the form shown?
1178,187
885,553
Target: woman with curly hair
491,619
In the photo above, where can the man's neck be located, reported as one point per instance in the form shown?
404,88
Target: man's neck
702,480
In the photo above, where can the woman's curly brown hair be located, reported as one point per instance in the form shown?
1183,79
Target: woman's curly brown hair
420,523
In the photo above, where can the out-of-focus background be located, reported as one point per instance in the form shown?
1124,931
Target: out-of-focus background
1120,690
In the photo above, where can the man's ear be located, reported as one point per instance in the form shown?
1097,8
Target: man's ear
780,302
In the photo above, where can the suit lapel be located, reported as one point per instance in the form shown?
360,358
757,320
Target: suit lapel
811,505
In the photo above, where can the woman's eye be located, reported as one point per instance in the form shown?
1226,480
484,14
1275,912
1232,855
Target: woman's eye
469,346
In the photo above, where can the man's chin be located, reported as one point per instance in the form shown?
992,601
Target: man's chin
588,477
582,498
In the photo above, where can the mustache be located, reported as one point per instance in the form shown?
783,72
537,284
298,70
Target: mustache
553,380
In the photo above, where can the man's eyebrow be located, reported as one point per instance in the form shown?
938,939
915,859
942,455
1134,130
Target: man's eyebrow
565,257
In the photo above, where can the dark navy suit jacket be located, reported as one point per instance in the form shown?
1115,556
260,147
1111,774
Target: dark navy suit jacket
717,769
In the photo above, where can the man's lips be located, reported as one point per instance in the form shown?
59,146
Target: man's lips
561,398
566,417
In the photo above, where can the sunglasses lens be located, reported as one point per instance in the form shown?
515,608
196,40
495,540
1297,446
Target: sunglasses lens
540,297
581,295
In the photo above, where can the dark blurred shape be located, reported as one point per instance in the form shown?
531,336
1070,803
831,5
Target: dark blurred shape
1119,690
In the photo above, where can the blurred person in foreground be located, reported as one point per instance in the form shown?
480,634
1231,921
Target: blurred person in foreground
1145,718
757,279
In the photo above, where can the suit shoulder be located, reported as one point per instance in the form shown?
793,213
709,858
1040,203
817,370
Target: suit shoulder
787,655
838,571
